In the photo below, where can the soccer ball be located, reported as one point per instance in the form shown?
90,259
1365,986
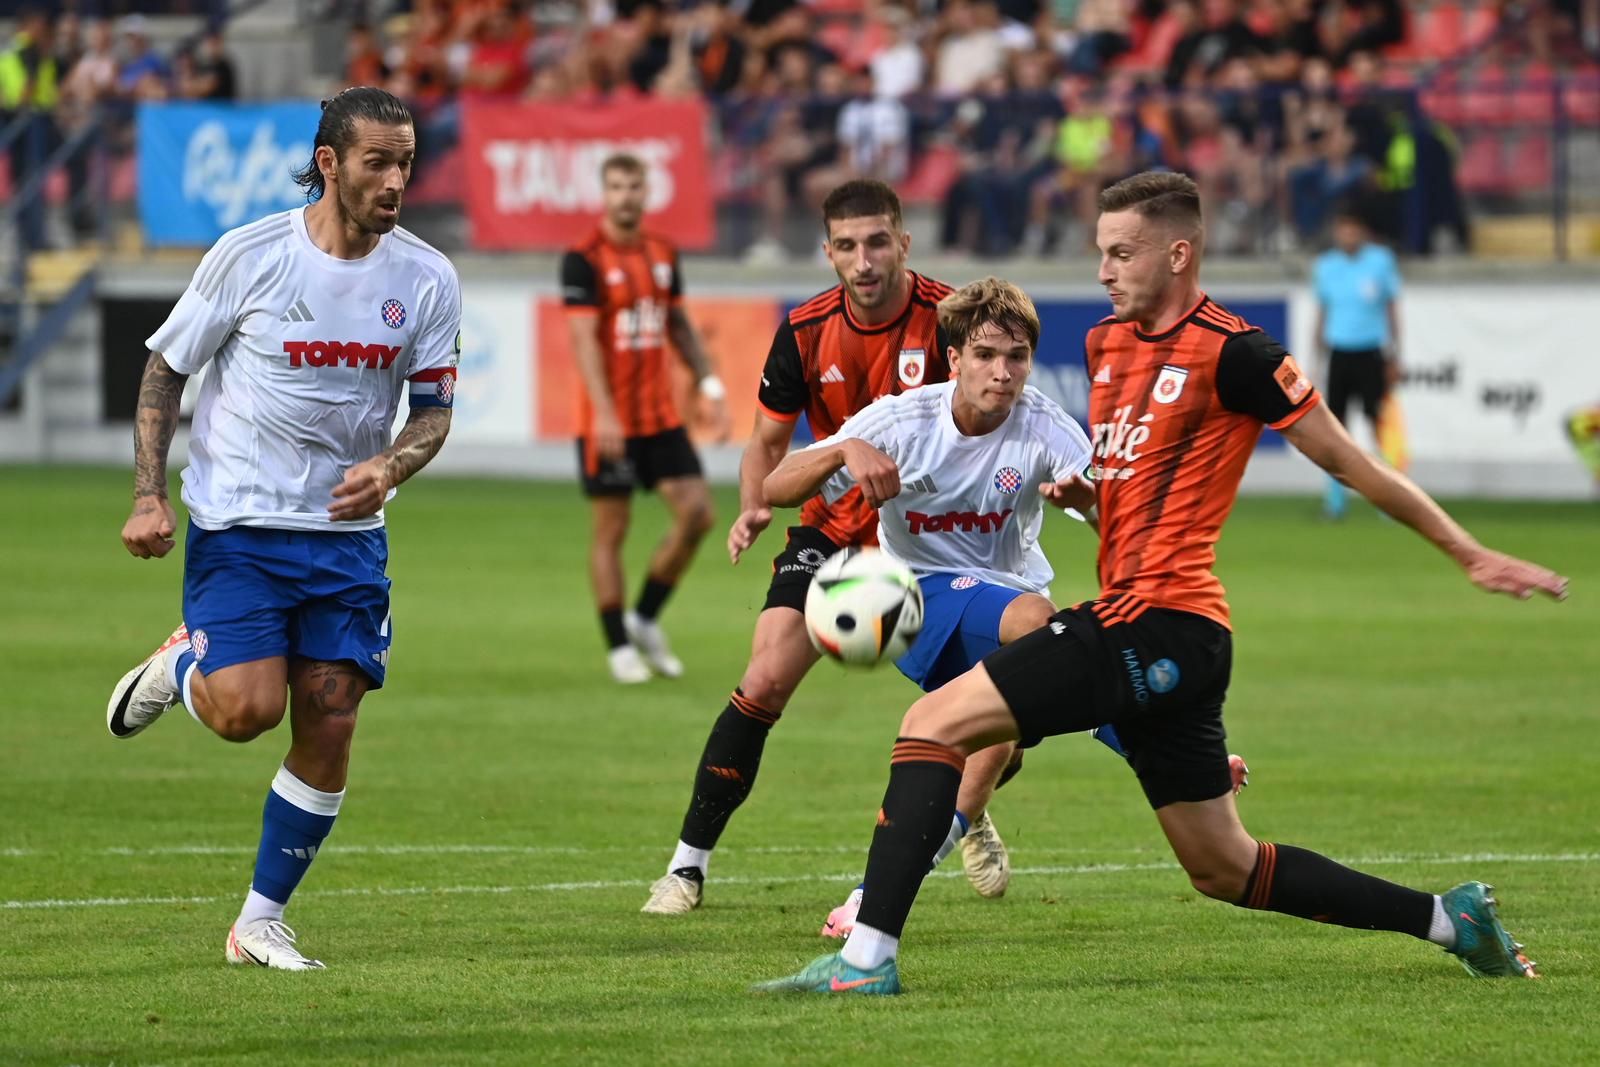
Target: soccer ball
863,607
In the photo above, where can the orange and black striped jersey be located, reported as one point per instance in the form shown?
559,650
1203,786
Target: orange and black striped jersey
826,364
1174,419
629,290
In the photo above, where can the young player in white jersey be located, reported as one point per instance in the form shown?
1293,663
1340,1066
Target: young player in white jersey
961,473
314,323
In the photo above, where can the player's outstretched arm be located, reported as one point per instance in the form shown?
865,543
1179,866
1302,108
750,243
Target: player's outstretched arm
769,441
802,474
148,531
367,483
713,409
1320,437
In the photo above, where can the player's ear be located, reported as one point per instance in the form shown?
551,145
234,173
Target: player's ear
327,162
1181,254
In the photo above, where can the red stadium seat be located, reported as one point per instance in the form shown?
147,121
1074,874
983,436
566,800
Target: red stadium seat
1580,97
1533,96
931,175
1482,168
1530,163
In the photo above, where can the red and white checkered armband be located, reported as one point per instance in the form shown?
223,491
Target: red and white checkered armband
433,388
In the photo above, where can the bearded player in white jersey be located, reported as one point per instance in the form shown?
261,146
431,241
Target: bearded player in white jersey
315,322
961,473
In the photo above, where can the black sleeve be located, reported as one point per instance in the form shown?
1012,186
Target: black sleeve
1256,376
783,379
579,286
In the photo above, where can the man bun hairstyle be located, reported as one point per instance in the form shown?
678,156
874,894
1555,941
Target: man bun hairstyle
861,198
989,301
1164,197
337,128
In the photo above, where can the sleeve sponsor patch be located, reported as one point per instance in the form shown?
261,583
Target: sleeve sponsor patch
1292,381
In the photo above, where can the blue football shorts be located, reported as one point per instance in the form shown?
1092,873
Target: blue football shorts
960,625
251,593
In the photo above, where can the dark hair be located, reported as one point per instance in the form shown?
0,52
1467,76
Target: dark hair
337,130
989,300
859,199
626,162
1162,196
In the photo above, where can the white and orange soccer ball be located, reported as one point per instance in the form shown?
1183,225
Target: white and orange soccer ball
863,607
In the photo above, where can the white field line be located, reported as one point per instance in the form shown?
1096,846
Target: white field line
511,850
847,877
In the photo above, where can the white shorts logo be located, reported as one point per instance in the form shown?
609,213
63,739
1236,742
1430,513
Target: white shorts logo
200,643
1169,384
913,365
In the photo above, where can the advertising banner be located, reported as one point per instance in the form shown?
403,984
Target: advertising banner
1489,374
206,168
533,170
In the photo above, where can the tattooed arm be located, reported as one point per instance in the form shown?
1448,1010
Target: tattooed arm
148,531
366,484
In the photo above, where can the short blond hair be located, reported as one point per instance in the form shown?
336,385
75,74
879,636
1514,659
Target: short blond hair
989,301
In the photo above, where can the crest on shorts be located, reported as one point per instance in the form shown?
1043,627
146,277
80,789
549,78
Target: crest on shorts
913,365
1163,675
394,314
810,558
200,643
1169,384
1008,480
966,581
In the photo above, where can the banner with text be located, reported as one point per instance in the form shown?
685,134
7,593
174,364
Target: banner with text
533,170
206,168
1489,373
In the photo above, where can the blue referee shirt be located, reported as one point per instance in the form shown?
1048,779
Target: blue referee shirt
1355,292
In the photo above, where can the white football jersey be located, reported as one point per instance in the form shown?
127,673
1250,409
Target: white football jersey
968,505
309,356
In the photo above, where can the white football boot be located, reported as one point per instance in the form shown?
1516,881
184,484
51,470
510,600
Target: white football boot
646,636
673,894
267,943
144,693
627,667
984,856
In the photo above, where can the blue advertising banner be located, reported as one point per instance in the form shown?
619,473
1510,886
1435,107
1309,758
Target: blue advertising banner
1058,365
206,168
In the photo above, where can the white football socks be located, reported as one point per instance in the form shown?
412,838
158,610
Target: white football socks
868,948
958,830
257,906
688,856
1442,931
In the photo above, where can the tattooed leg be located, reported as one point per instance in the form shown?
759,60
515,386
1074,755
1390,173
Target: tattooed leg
323,698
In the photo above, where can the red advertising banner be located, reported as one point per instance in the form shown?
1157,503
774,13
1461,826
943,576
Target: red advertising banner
533,170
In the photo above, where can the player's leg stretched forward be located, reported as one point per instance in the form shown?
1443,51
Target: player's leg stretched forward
239,703
1221,859
689,501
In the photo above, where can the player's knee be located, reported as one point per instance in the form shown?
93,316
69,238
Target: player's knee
698,520
246,716
929,718
767,684
1218,879
332,732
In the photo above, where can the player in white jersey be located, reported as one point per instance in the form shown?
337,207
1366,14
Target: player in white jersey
313,323
960,474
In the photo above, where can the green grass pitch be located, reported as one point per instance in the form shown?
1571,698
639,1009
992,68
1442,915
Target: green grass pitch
478,901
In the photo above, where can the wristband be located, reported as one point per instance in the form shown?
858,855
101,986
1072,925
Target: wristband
711,388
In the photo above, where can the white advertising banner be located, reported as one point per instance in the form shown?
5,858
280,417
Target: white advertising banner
494,396
1490,371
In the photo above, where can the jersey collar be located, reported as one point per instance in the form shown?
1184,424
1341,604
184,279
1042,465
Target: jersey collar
1175,327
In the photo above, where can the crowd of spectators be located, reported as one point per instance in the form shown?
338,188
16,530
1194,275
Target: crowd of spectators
1010,113
58,75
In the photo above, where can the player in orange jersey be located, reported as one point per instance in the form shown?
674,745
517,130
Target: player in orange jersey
1180,389
875,333
622,290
